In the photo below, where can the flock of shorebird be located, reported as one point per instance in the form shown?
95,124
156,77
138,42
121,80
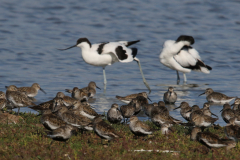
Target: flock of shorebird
64,115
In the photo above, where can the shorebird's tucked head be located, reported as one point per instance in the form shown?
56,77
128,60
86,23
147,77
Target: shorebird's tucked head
161,104
237,101
59,109
185,38
2,95
77,105
57,102
206,105
60,95
97,119
12,88
194,133
133,119
195,107
114,105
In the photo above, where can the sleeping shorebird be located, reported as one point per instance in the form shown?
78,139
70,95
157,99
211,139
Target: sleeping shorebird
88,91
216,97
114,115
139,128
128,98
232,130
179,55
236,104
206,110
170,97
133,108
104,130
227,113
104,54
211,140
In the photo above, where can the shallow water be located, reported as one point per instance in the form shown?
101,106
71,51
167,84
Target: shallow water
31,31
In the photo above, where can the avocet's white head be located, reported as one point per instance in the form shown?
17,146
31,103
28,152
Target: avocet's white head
83,43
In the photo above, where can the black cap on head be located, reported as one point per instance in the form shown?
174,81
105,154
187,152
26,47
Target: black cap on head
80,40
186,38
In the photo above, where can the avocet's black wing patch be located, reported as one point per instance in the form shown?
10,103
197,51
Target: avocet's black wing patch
100,48
121,53
132,42
134,52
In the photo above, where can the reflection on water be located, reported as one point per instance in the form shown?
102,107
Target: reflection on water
31,31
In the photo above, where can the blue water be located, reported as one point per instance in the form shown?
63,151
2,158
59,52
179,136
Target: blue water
31,32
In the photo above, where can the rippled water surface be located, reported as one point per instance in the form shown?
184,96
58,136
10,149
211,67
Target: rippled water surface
31,31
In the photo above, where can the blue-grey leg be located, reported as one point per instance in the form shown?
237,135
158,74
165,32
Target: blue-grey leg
178,78
144,80
104,79
185,78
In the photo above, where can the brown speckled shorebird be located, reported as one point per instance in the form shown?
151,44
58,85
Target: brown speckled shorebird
104,130
114,115
3,100
232,130
206,110
211,140
70,117
17,99
85,110
236,104
227,113
62,133
139,128
170,97
195,111
185,108
68,101
147,108
79,94
31,91
50,121
160,115
130,109
166,129
46,105
216,97
90,90
128,98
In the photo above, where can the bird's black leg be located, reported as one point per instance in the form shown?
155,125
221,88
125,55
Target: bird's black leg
178,78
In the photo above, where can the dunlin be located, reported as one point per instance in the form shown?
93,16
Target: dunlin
195,111
62,133
128,98
139,128
70,117
216,97
89,91
85,110
3,100
170,97
31,91
68,101
236,104
114,115
130,109
78,93
17,99
227,113
232,130
185,108
166,129
206,110
50,121
104,130
211,140
147,108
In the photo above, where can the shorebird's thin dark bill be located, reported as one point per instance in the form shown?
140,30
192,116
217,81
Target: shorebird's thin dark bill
214,114
221,110
98,87
149,99
177,108
189,111
231,104
68,48
42,90
6,87
201,94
